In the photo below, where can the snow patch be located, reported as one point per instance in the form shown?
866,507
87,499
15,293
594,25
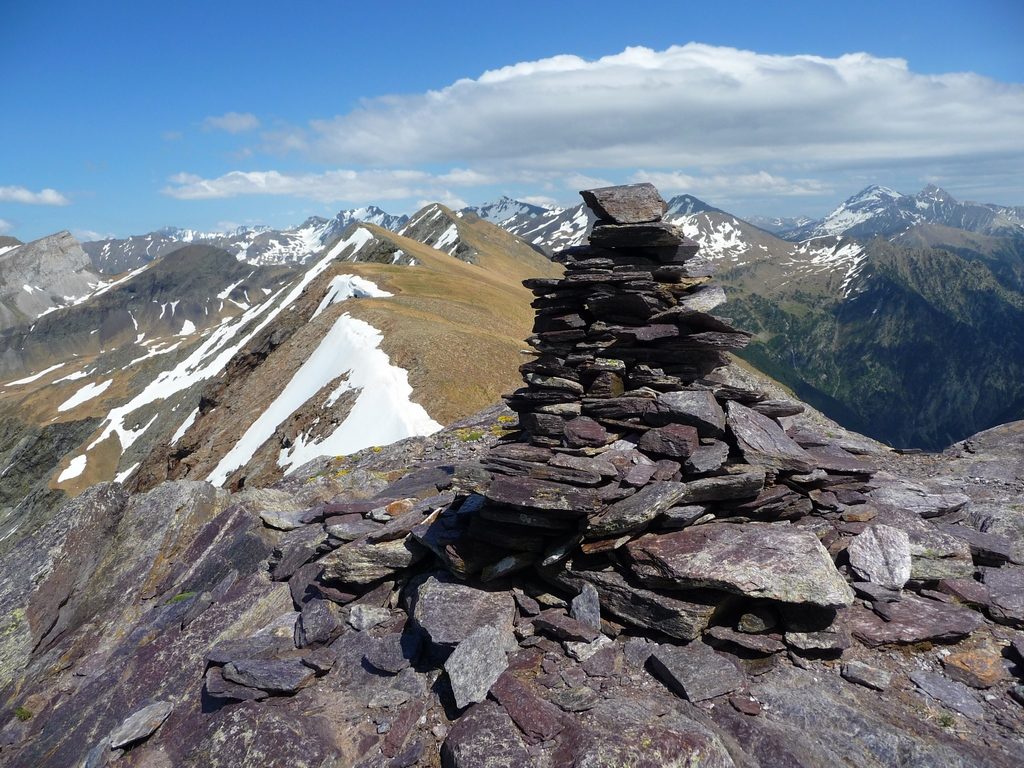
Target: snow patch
181,430
35,377
120,477
382,413
210,357
86,393
448,239
75,468
187,328
349,287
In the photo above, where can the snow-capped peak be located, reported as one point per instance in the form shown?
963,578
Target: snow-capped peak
505,208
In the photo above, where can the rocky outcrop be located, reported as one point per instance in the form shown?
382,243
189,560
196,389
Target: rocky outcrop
42,275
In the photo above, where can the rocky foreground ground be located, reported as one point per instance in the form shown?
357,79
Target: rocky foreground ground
189,627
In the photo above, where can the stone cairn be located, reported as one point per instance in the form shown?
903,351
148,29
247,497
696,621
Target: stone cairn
635,469
668,502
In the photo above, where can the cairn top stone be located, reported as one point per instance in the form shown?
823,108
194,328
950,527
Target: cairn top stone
626,204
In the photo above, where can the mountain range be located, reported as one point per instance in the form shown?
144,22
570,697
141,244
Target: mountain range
298,566
909,330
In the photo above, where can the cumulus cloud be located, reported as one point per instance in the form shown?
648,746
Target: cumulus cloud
328,186
232,122
727,124
736,185
5,226
687,106
27,196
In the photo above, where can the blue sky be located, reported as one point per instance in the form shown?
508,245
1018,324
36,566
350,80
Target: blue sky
121,117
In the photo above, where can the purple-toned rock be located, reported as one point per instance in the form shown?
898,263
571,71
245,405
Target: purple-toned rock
764,443
767,561
675,440
555,623
542,495
626,204
655,234
538,719
584,432
695,671
219,688
762,644
484,736
912,620
696,408
1006,595
949,693
449,611
282,676
320,623
295,549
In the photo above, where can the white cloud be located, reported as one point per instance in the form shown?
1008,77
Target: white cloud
692,106
328,186
88,235
27,196
722,123
232,122
5,226
739,185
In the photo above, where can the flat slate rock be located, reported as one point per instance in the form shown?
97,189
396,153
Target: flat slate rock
635,512
361,562
542,495
695,671
920,501
555,623
881,555
626,203
912,620
757,643
450,611
476,664
654,234
866,675
271,675
219,688
1006,595
671,615
484,737
140,725
764,443
949,693
766,561
539,720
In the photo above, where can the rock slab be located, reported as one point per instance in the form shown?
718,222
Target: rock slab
768,561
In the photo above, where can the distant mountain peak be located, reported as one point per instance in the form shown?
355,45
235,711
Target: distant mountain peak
931,192
504,209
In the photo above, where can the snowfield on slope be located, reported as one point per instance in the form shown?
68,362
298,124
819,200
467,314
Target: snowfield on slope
383,412
210,358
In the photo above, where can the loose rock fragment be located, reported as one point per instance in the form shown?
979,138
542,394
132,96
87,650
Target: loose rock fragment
475,664
140,725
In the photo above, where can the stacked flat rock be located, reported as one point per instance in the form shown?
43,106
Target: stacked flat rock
632,456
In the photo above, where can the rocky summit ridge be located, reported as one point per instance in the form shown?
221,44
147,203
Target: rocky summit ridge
656,564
